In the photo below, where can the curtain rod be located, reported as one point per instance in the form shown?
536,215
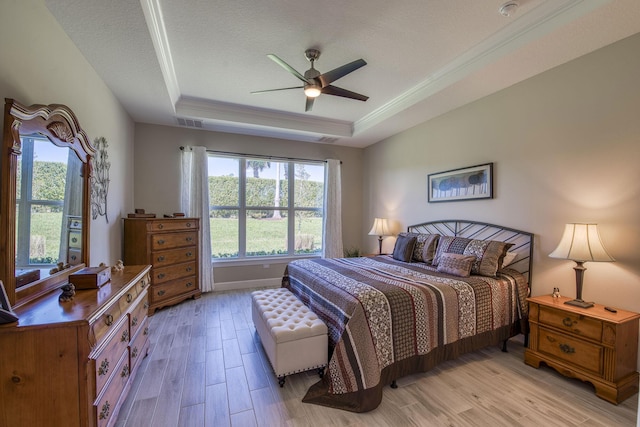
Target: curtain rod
229,153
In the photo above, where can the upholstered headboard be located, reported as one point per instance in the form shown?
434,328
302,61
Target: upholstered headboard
522,240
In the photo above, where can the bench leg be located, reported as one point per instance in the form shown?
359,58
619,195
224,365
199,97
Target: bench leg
281,381
394,384
321,372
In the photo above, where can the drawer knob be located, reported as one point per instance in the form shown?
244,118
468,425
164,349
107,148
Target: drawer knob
161,292
134,321
567,349
188,224
189,268
188,285
125,371
161,275
104,413
73,257
160,226
129,297
568,322
108,320
189,254
189,239
104,367
134,352
161,258
161,242
125,335
146,331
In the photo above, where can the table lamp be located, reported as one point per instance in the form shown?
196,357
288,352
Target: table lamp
380,228
581,243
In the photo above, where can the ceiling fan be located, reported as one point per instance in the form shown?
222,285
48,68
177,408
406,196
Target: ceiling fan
316,83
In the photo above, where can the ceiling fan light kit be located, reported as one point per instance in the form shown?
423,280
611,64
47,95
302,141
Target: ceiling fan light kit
315,83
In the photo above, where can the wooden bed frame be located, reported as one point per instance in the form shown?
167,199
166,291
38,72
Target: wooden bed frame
522,240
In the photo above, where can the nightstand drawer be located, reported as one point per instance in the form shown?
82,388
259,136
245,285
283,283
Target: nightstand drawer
587,327
580,353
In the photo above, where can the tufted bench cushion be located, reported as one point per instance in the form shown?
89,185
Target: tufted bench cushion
293,337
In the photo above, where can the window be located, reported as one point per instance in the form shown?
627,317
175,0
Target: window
265,207
40,195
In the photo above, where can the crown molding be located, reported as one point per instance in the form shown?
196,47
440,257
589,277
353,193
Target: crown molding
533,25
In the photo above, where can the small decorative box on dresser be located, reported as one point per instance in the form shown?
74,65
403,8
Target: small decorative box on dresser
170,245
72,363
591,344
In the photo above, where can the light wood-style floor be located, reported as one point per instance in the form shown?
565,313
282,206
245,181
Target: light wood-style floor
207,368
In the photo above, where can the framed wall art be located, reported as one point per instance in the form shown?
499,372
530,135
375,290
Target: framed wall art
470,183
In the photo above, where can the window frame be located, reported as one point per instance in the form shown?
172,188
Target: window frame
291,209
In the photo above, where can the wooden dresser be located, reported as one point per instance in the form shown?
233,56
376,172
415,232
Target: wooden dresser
170,245
591,344
72,363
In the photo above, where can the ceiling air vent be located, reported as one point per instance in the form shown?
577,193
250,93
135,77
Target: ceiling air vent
328,139
190,123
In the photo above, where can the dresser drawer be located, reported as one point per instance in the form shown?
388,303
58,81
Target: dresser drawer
587,327
575,351
172,272
105,324
173,225
103,360
139,345
139,313
173,256
106,404
142,284
171,289
164,241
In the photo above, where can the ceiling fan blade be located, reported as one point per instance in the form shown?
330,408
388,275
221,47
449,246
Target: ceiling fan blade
338,91
274,90
333,75
287,67
309,104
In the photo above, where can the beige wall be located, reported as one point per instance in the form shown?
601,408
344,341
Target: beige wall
157,179
40,65
566,148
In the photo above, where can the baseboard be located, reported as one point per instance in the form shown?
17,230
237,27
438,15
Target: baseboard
275,282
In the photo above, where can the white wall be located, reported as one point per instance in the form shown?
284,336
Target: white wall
157,179
40,65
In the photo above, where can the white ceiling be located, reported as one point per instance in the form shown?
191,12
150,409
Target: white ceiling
200,59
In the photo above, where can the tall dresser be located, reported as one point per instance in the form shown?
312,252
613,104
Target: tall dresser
72,363
170,245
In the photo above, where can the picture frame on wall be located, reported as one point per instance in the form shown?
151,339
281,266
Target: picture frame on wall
469,183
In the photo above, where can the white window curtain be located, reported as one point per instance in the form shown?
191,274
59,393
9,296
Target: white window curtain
195,204
332,232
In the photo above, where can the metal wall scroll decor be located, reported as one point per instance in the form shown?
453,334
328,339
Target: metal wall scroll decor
100,179
474,182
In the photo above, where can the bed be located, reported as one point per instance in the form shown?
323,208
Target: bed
393,315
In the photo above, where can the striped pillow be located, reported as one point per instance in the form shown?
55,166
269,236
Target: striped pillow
456,264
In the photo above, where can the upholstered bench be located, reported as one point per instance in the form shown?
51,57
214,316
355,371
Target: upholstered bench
293,337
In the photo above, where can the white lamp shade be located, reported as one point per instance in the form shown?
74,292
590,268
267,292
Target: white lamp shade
380,227
581,242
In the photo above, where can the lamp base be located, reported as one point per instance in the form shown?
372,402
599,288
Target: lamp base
579,303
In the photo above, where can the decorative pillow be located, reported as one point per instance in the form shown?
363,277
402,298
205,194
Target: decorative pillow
508,258
403,250
489,253
456,264
425,247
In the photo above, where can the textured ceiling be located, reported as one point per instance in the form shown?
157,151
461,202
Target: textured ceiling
199,60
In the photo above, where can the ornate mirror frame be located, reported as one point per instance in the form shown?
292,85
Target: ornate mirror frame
59,125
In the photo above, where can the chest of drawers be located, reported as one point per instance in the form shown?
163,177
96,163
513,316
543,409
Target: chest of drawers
591,344
72,363
170,245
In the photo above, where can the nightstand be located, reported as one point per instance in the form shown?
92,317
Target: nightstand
591,344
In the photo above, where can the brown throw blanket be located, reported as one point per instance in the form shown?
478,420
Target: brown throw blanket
387,319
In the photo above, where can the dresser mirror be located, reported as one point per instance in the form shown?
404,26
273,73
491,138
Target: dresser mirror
45,184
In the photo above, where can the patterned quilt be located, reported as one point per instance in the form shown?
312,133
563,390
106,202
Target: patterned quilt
387,319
